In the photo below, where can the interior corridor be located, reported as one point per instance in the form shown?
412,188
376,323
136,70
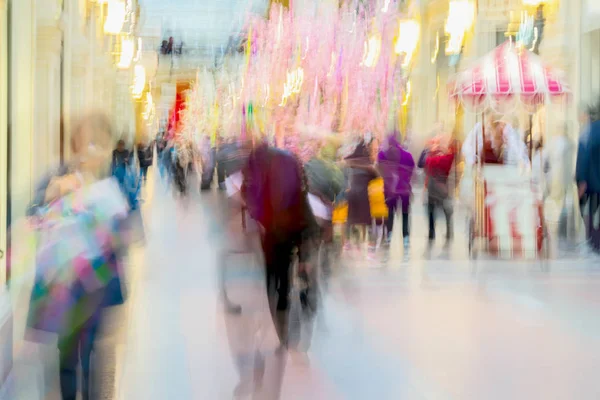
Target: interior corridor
436,329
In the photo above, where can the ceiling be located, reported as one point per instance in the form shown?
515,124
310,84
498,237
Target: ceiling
198,23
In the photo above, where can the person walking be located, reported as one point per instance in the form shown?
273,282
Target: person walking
360,172
588,177
325,182
145,157
274,191
82,320
396,165
438,164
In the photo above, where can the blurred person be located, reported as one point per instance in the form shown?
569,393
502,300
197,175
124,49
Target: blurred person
438,164
166,161
325,182
218,157
124,169
121,157
181,164
145,154
170,45
559,159
585,121
396,165
360,172
80,327
208,156
539,165
274,191
589,178
500,144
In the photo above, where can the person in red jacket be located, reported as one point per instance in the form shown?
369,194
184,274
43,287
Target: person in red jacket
438,165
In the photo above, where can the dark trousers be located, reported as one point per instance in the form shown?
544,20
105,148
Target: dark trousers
432,206
220,173
392,206
144,172
278,268
593,231
78,347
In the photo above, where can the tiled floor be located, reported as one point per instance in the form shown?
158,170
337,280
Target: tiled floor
437,327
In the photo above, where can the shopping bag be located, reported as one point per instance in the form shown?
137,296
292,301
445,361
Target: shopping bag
75,259
377,199
70,269
340,213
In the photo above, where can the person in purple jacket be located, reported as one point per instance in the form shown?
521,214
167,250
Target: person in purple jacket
396,166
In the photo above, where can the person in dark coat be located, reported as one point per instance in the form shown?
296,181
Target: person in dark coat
145,157
121,158
588,171
218,159
585,121
360,173
275,194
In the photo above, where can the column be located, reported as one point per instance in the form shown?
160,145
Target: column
74,51
22,81
48,92
6,331
423,84
559,49
48,87
3,139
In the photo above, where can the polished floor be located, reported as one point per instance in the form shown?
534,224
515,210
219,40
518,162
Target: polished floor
427,325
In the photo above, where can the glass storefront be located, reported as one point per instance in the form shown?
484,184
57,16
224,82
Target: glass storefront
590,66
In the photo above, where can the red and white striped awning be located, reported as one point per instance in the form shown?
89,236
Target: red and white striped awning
506,75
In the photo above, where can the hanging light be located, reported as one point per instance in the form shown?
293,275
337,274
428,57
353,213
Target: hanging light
293,85
139,81
461,15
534,3
408,39
115,19
436,51
372,51
149,107
407,95
138,54
126,57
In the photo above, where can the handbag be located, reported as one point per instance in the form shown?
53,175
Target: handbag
340,213
377,199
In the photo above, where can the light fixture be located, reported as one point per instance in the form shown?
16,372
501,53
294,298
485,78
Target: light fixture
138,54
139,81
149,107
437,48
386,6
408,39
293,85
126,56
407,96
115,18
372,51
534,3
461,15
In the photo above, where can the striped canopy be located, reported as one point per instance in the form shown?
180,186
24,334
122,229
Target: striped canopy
506,76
